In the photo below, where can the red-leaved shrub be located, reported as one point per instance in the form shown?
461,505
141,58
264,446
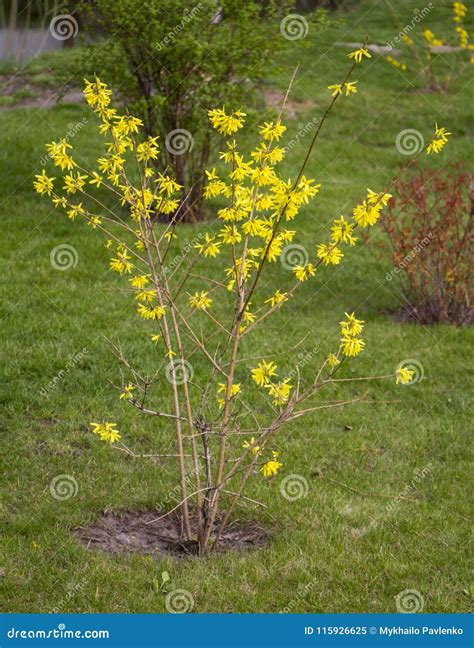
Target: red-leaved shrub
429,224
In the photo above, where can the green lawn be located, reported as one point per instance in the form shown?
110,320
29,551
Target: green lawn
345,547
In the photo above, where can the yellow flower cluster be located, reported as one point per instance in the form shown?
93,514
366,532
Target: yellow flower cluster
404,376
106,431
396,64
279,391
349,88
351,327
369,210
439,140
272,466
357,55
431,39
200,300
226,124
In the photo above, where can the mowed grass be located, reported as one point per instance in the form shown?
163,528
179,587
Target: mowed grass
349,545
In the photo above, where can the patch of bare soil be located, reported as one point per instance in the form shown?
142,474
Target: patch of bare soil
142,532
23,92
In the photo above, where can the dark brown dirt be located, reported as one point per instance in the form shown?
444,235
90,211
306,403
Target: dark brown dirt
141,532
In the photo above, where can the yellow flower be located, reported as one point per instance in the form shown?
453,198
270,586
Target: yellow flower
404,376
272,130
58,153
263,372
121,263
358,54
329,254
97,179
351,326
279,391
304,272
139,281
230,234
350,87
106,431
74,183
277,299
201,301
234,390
333,360
151,312
336,88
272,466
127,391
145,295
97,94
155,338
249,444
396,64
43,184
366,215
94,221
226,124
431,39
341,232
439,140
351,346
209,248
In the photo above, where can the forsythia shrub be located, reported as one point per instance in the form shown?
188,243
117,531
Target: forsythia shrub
422,52
219,442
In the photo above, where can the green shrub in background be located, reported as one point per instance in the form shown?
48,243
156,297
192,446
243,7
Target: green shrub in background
172,60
